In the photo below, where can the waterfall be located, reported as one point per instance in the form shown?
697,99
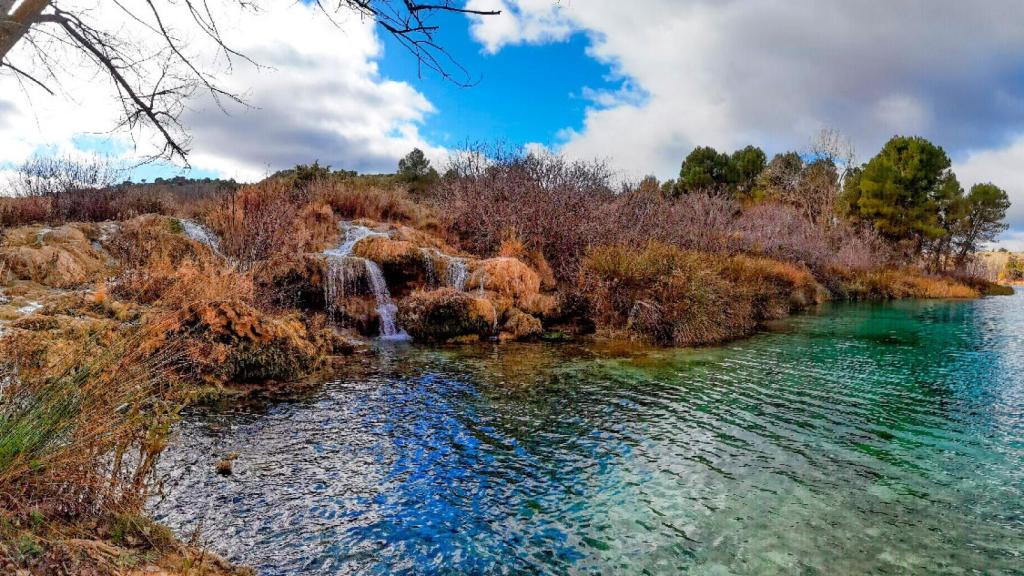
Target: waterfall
457,273
429,267
455,269
196,231
340,278
386,308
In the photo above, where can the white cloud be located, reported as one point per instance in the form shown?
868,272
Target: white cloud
521,21
1003,167
773,72
321,96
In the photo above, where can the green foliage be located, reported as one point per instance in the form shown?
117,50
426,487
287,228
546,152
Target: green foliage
908,193
415,170
900,189
303,174
415,166
708,170
705,169
780,178
747,165
980,217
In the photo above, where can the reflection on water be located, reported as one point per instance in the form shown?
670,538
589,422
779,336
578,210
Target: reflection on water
865,439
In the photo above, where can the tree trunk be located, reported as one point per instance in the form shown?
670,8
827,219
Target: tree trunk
14,26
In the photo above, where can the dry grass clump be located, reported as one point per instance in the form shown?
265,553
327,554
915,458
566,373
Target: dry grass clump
776,288
514,248
147,240
230,341
353,199
895,283
671,296
81,424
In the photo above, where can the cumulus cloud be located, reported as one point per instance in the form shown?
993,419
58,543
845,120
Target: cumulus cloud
774,72
318,96
1005,168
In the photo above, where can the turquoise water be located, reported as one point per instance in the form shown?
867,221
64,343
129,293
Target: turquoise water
864,439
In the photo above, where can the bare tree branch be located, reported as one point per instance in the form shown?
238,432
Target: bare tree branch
27,76
152,87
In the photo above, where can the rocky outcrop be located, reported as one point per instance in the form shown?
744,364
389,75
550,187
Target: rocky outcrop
445,314
506,278
520,326
61,257
234,342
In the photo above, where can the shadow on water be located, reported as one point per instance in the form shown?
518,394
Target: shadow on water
861,439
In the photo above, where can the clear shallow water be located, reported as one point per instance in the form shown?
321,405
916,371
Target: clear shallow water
867,439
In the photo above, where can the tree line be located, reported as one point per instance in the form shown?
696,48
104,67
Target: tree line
907,193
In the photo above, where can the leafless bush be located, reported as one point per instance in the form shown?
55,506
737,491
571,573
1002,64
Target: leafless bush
257,221
544,200
695,221
780,231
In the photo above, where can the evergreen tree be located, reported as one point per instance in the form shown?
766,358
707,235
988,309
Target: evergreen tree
898,191
981,219
705,169
747,165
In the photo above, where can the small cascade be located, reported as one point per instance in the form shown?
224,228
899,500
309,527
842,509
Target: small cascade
457,273
196,231
343,272
483,281
386,308
455,270
429,267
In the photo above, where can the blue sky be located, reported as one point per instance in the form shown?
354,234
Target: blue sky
638,84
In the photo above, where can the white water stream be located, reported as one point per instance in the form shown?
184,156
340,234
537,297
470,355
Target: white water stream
342,268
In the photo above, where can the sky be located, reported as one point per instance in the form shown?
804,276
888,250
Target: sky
638,84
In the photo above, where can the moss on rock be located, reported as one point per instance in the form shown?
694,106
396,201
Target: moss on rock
444,314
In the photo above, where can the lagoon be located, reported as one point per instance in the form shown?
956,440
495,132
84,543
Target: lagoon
861,438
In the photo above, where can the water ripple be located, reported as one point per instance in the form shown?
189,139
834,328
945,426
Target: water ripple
884,439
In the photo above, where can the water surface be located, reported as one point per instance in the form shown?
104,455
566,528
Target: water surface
865,439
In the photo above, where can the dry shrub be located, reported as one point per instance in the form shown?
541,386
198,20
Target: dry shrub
351,199
85,205
667,295
779,231
695,221
24,211
257,221
546,201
